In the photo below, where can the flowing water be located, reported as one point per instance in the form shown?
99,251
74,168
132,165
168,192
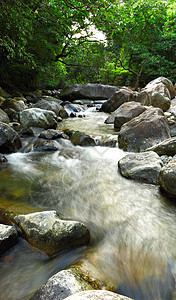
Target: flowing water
132,225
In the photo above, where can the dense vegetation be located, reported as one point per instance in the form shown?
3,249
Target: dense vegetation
41,44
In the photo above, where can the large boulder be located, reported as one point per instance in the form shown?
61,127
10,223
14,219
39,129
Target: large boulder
8,237
9,139
37,117
144,131
97,295
4,117
46,231
52,106
167,147
126,112
17,105
167,178
143,166
62,285
88,91
157,93
121,96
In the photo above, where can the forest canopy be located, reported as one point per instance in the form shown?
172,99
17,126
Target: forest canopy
50,43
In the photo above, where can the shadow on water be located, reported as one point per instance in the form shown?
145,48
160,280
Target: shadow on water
132,225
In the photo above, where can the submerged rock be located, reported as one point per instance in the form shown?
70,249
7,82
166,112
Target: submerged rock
8,237
143,166
62,285
46,231
37,117
88,91
144,131
97,295
167,178
9,139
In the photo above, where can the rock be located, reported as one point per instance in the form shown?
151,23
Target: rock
52,106
15,125
62,285
37,117
74,107
123,95
8,237
157,93
82,139
144,131
41,145
143,166
9,139
46,231
167,178
50,99
4,117
52,134
14,104
97,295
108,141
126,112
172,129
88,91
12,114
4,93
3,159
167,147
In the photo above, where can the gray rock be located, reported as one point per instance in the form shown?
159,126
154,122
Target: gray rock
37,117
88,91
167,178
143,166
12,114
52,106
52,134
14,104
4,117
9,139
167,147
3,159
123,95
41,145
46,231
81,139
62,285
97,295
126,112
144,131
8,237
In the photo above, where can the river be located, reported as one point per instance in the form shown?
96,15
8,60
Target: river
132,225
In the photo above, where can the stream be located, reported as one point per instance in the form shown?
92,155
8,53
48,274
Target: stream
132,225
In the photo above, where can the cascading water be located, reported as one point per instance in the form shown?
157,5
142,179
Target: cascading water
132,226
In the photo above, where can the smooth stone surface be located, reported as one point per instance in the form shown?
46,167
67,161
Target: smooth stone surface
14,104
62,285
143,166
37,117
82,139
161,85
9,139
8,237
52,105
167,178
97,295
46,231
52,134
91,91
144,131
167,147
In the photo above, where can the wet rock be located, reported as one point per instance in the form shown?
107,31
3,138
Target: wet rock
4,117
8,237
9,139
172,129
15,125
41,145
126,112
14,104
97,295
88,91
36,117
62,285
123,95
167,147
82,139
167,178
50,99
74,107
144,131
52,106
143,166
107,141
46,231
3,159
12,114
52,134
